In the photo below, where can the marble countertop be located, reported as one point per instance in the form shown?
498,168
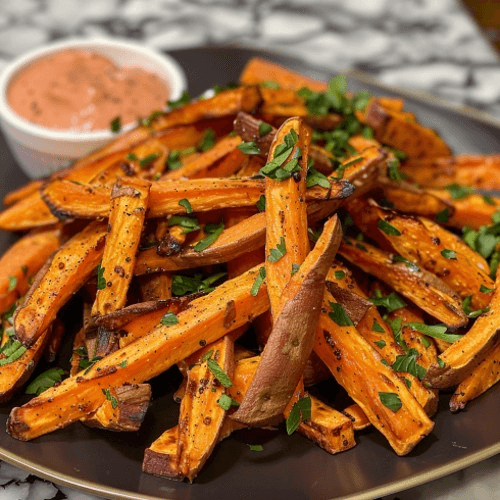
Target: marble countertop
428,45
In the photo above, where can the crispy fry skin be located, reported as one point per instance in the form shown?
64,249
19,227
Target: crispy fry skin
347,355
467,352
156,286
69,268
357,415
22,261
422,241
479,171
129,201
421,287
247,235
479,380
123,410
200,417
290,343
395,130
67,199
209,318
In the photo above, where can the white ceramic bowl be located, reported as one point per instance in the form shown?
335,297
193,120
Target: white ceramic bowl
40,150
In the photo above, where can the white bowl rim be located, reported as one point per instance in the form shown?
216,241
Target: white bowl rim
177,85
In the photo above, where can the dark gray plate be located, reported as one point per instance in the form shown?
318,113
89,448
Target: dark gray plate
109,464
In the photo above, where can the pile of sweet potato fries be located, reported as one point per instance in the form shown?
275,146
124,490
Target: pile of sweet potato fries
334,227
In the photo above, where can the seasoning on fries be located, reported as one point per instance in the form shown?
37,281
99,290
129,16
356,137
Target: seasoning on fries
283,211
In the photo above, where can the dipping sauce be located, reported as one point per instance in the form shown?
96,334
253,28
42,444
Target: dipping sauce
81,90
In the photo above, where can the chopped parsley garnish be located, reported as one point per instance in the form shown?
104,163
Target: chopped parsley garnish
184,285
270,85
300,412
449,254
11,351
265,128
147,160
277,168
261,203
222,88
488,200
295,268
380,343
132,157
184,99
436,331
397,331
408,363
24,269
339,316
256,447
339,275
116,124
393,170
207,141
169,319
110,398
315,178
458,192
12,283
45,380
441,363
443,216
485,289
249,148
377,327
387,228
185,203
276,253
390,400
225,402
391,302
261,276
189,223
472,313
219,373
123,364
213,231
101,281
174,160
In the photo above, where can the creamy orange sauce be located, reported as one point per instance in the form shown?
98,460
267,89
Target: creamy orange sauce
81,90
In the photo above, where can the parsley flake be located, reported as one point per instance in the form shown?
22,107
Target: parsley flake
277,253
110,398
300,412
265,128
261,276
387,228
436,331
225,402
256,447
185,203
391,302
169,319
12,283
101,281
45,380
213,231
449,254
390,400
485,289
377,327
261,203
339,315
219,373
249,148
184,99
116,125
458,192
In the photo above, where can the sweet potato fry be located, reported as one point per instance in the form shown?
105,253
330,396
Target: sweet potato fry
479,171
246,236
65,273
357,416
423,242
404,423
422,287
466,353
380,336
156,286
22,261
129,201
395,130
67,199
480,379
200,417
208,318
290,343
